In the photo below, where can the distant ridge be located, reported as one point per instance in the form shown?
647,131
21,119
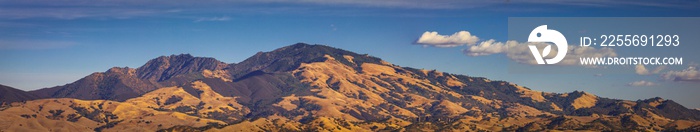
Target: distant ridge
9,94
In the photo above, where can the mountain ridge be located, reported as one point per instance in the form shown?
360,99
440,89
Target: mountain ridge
321,88
9,94
121,83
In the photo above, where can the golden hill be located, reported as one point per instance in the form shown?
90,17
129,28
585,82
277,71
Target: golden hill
319,88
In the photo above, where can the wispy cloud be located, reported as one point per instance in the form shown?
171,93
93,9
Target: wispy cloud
79,12
690,74
461,4
205,19
333,27
642,70
74,9
641,83
34,44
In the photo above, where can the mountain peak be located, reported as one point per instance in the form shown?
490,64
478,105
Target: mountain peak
301,45
165,60
309,49
165,67
121,70
179,56
290,57
581,93
182,55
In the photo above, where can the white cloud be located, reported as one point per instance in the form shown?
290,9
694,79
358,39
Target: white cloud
688,75
642,70
224,18
487,48
641,83
457,39
520,52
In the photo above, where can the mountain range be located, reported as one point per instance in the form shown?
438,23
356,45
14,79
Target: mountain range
305,87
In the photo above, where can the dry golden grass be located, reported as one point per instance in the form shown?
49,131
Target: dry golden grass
453,82
532,94
132,117
349,58
137,114
325,124
259,125
585,101
555,107
683,124
221,74
450,108
287,104
213,102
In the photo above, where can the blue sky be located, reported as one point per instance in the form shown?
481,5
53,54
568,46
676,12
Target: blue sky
49,43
